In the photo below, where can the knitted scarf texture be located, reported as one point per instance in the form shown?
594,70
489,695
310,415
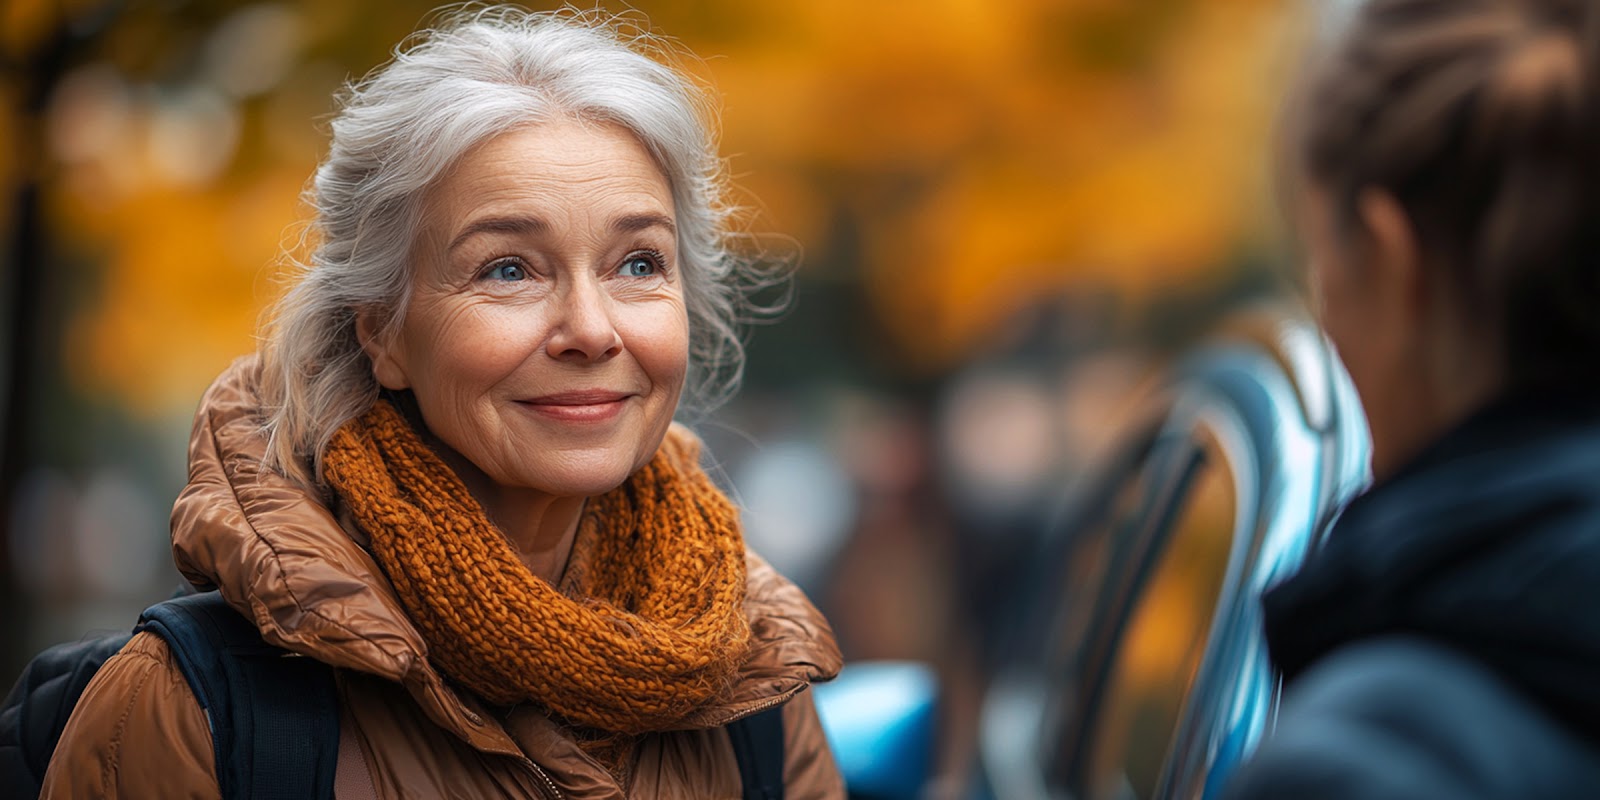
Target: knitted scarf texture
654,627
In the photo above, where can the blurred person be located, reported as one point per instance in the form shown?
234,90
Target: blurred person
1442,643
452,472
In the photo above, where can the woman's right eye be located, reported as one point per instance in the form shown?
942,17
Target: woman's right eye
508,271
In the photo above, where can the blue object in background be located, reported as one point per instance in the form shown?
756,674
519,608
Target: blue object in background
1266,405
879,717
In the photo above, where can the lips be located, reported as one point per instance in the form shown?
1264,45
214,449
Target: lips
585,397
586,405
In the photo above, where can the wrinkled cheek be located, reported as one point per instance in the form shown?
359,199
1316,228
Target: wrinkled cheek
478,349
454,384
662,347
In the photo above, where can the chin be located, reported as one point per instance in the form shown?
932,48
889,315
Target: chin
582,479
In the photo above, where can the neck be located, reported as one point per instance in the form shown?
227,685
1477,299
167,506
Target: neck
541,527
1433,413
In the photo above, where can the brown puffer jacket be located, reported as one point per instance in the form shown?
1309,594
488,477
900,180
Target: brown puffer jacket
283,559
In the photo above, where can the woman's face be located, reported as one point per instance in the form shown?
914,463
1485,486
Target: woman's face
546,337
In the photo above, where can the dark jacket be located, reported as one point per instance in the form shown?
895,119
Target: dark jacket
1446,641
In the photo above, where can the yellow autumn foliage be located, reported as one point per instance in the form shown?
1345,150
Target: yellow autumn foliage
985,154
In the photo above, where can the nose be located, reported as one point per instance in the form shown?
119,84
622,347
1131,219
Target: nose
584,330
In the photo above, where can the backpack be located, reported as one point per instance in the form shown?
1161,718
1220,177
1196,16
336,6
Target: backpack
274,715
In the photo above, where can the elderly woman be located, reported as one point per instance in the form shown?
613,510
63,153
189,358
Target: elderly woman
1444,642
452,473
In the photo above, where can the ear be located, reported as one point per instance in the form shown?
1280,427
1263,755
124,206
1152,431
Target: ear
1393,254
379,345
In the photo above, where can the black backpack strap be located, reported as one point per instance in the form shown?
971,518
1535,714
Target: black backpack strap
274,715
758,747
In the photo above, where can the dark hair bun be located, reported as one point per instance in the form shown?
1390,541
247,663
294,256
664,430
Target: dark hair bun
1482,117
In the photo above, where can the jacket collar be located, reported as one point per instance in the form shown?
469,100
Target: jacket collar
281,557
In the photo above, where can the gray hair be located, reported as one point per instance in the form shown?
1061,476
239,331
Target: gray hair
479,73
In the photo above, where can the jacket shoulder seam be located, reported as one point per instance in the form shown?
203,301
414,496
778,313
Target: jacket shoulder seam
113,763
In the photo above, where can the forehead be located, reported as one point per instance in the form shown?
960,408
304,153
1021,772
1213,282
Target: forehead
560,168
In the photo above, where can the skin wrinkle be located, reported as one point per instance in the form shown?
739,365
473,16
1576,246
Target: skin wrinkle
528,225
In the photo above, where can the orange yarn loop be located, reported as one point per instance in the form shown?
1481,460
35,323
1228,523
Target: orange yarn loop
657,628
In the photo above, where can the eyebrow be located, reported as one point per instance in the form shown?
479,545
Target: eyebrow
530,225
633,223
519,225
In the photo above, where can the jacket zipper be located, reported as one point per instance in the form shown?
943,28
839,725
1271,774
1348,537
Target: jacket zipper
549,785
759,707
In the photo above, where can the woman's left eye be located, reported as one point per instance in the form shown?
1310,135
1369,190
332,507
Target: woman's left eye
639,265
508,271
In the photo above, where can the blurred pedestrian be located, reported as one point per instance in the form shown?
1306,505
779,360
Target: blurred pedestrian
1443,642
452,472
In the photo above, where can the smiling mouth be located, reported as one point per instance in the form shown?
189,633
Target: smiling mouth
582,406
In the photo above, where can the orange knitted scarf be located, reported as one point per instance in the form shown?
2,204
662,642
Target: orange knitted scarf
655,628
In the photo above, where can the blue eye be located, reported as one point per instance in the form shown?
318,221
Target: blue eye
641,265
508,271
